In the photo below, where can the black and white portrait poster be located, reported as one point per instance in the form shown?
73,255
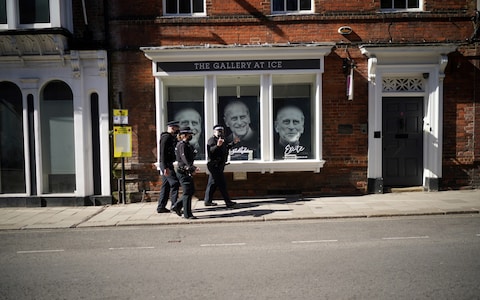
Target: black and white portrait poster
240,117
292,128
190,114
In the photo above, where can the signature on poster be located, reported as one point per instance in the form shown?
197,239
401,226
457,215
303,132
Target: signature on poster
293,151
241,153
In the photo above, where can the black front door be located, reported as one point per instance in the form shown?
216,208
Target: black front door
402,141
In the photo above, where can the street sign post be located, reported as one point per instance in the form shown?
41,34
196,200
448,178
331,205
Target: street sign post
122,142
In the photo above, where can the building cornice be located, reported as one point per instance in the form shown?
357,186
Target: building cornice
237,52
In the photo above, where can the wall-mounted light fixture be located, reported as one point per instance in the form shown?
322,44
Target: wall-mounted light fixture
344,30
348,66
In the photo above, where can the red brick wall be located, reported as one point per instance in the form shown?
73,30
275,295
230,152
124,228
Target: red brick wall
461,119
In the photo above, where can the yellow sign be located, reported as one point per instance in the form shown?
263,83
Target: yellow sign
120,116
122,141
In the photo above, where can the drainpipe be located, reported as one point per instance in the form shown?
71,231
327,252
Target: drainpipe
87,34
85,13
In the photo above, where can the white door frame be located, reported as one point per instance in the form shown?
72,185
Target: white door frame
426,62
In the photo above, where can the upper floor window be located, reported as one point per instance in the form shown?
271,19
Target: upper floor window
184,7
400,4
3,12
34,11
291,6
35,14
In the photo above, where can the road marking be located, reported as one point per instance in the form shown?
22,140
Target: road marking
40,251
317,241
130,248
222,245
406,237
478,234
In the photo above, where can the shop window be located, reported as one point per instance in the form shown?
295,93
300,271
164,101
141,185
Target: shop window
272,127
32,144
400,4
57,138
239,112
292,6
292,107
184,7
95,116
12,153
34,11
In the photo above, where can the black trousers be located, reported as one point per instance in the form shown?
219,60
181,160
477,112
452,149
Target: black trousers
188,188
216,179
170,186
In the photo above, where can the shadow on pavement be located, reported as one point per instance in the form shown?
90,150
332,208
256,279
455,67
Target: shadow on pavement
246,209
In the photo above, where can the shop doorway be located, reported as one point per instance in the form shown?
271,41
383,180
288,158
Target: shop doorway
402,141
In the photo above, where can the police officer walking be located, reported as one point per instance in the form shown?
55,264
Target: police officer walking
170,184
185,154
217,150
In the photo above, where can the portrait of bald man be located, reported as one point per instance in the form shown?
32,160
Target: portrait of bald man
189,117
290,125
237,119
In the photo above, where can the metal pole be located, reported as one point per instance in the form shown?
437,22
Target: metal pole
124,190
124,193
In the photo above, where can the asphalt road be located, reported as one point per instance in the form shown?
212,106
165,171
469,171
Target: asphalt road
436,257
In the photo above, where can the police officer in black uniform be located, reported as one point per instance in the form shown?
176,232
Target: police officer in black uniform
170,183
217,150
185,154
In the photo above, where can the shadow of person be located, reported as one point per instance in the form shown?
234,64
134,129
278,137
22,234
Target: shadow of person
252,208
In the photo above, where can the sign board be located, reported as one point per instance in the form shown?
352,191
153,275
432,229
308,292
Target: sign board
244,65
122,141
120,116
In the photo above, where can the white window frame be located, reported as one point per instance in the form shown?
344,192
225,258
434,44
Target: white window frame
191,14
283,12
60,16
419,8
267,163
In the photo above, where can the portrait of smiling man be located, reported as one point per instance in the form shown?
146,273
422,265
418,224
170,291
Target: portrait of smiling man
237,118
189,117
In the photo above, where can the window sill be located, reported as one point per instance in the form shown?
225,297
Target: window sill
194,15
292,13
406,10
308,165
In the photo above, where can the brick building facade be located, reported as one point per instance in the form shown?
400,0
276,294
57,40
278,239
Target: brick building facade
410,118
429,53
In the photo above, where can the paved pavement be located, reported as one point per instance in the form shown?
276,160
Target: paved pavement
248,210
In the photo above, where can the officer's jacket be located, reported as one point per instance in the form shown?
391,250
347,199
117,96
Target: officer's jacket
217,154
185,154
167,150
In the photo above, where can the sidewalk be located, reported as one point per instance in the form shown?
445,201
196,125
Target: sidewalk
249,210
